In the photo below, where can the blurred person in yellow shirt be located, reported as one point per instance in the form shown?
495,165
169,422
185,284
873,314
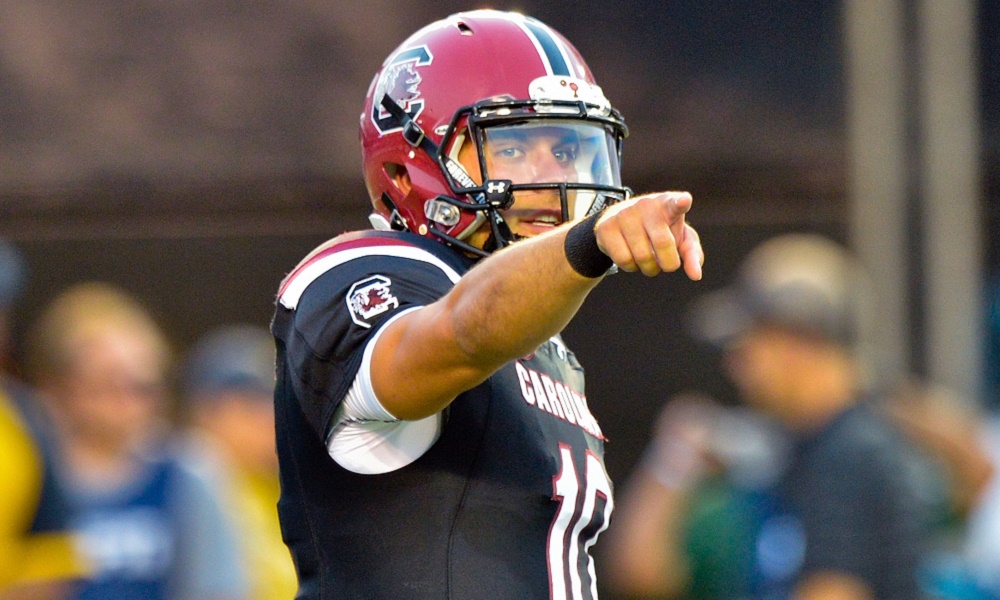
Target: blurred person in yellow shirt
228,383
149,527
37,554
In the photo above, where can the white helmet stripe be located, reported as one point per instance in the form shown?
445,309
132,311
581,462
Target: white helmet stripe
552,52
556,57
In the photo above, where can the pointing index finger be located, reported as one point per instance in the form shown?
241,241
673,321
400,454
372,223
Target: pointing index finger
688,241
677,205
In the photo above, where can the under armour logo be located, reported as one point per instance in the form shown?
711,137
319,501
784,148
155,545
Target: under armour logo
496,187
498,193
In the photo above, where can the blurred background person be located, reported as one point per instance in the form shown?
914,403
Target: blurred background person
697,499
958,476
949,430
981,549
843,517
37,554
982,545
149,528
228,386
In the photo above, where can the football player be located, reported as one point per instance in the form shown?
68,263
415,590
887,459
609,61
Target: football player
433,430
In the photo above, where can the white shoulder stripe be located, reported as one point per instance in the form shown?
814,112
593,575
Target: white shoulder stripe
293,291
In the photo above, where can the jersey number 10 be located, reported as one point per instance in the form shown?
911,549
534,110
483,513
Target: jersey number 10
576,526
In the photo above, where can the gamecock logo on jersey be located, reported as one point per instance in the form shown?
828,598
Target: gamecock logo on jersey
401,80
369,298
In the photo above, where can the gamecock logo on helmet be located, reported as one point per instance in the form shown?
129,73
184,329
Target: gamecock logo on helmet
401,81
369,298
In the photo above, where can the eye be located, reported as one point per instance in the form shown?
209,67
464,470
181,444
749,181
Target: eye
509,153
566,153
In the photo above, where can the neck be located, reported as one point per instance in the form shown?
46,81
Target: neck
99,465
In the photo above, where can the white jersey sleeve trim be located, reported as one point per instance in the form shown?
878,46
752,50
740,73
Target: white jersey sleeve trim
364,437
312,271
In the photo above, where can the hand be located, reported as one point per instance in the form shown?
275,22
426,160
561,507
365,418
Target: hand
680,452
648,233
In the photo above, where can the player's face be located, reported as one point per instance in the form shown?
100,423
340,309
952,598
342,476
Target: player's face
544,152
536,155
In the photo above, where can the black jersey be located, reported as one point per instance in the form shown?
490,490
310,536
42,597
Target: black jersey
506,504
849,486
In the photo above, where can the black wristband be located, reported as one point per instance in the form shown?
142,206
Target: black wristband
582,251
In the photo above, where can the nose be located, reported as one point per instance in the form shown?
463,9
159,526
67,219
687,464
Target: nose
545,168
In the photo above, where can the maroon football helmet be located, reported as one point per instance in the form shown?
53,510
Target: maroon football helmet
487,78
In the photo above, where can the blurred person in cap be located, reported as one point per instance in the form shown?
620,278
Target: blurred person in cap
228,384
147,526
37,555
842,517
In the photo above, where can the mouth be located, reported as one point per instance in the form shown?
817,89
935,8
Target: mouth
538,221
543,219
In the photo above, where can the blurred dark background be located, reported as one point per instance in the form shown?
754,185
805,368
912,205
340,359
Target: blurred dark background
194,151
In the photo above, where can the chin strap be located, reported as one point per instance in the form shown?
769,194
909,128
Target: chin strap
412,133
415,136
395,220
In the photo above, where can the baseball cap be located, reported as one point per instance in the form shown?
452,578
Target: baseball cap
235,357
804,282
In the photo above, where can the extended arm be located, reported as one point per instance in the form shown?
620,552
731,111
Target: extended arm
515,300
